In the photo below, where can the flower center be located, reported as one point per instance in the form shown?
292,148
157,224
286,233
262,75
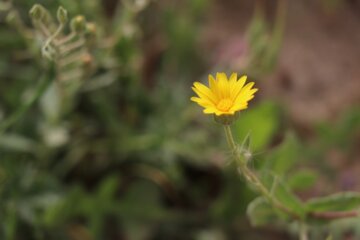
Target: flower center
224,104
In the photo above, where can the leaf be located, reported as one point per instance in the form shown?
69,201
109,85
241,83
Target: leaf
284,157
261,123
283,194
226,207
107,189
50,103
17,143
344,201
257,28
302,179
261,213
289,199
344,131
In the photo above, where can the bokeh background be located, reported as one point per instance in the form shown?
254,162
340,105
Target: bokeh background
119,151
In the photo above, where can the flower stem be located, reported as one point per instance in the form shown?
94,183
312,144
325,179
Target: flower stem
303,231
229,137
252,178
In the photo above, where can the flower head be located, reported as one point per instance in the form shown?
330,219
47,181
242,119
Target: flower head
224,96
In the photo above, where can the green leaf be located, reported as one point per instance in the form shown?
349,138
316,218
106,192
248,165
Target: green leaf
302,179
142,202
18,143
289,199
226,208
283,194
261,213
50,103
257,28
107,189
284,157
344,201
260,122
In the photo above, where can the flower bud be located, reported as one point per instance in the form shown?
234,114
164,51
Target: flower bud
91,28
78,24
37,12
62,15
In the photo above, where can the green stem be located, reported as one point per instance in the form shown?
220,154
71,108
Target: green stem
44,83
229,137
252,178
303,231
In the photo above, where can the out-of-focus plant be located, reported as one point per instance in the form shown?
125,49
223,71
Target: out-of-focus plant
225,98
89,116
264,47
98,156
256,52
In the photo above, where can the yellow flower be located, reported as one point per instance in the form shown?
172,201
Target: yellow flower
225,96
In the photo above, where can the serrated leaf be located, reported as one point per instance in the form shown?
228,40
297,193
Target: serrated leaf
337,202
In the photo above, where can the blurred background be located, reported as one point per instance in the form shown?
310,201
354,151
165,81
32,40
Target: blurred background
101,141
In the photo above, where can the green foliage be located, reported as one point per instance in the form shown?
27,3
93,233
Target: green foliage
343,201
283,158
261,213
283,194
261,123
98,139
17,143
302,179
227,206
265,44
341,134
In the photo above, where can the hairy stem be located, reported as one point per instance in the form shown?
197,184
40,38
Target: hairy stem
252,178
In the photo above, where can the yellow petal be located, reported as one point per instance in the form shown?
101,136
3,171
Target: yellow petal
202,102
223,85
209,110
224,89
218,113
239,107
213,86
232,80
245,95
237,87
204,92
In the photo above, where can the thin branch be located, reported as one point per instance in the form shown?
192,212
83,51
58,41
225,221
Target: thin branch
333,215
